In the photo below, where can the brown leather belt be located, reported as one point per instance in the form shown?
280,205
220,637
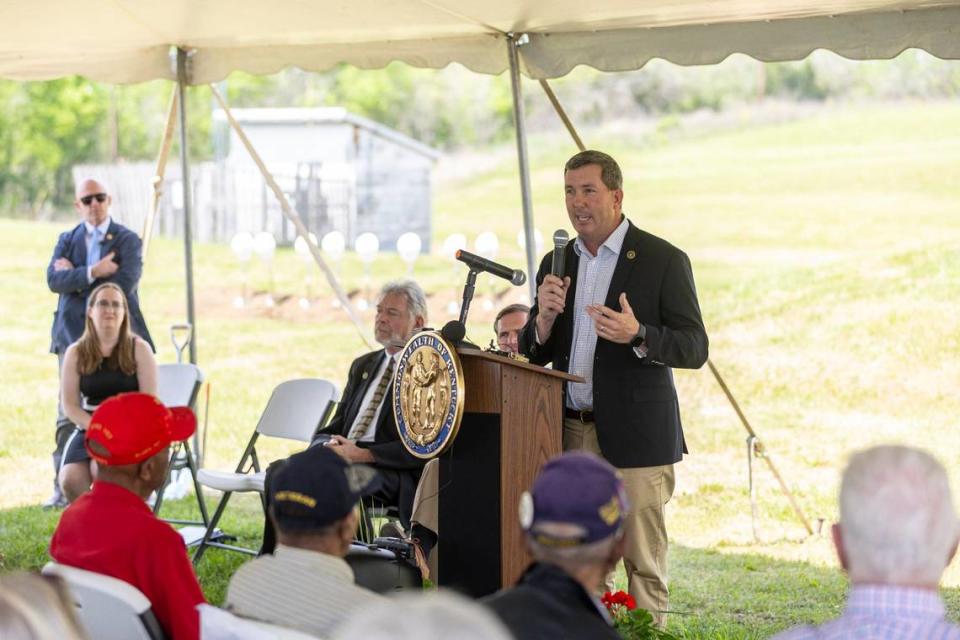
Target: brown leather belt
576,414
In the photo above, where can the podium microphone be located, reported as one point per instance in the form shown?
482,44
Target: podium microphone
479,263
454,331
560,240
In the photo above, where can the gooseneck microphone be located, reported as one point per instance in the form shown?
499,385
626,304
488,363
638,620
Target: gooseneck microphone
560,240
479,263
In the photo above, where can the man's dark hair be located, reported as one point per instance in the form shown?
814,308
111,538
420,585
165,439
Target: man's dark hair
609,169
510,308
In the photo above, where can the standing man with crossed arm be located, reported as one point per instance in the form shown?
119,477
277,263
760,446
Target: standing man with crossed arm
623,315
97,250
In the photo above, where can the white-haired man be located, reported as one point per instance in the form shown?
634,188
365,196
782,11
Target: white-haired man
898,531
363,428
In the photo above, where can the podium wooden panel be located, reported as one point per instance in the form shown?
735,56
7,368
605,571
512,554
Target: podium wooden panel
512,424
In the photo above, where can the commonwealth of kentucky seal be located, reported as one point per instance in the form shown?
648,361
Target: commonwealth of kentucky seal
428,395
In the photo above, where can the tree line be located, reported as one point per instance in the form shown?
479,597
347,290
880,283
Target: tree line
48,127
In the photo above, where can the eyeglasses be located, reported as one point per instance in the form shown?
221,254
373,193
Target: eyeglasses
86,200
109,304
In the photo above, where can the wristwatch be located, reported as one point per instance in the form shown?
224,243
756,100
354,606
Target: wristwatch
638,339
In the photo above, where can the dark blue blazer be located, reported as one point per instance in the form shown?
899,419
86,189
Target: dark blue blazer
634,400
71,284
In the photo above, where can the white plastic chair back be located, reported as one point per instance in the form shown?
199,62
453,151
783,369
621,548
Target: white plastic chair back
177,384
108,608
296,408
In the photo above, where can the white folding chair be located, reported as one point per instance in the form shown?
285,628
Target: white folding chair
178,385
296,409
108,608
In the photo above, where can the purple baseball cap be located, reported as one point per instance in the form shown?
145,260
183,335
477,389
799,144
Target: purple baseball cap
578,498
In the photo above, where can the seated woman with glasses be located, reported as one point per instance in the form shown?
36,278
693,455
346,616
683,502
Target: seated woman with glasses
107,359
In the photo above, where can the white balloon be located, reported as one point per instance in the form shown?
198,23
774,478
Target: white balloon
264,244
408,246
242,246
453,243
301,247
537,241
333,244
367,245
487,245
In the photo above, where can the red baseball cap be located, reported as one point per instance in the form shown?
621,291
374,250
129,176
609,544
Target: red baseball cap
130,427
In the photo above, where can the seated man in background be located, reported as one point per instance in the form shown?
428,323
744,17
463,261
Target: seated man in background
508,324
111,530
363,428
573,519
306,584
897,533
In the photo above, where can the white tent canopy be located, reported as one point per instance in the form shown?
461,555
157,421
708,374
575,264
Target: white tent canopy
124,41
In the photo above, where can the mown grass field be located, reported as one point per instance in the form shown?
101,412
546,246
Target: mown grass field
827,259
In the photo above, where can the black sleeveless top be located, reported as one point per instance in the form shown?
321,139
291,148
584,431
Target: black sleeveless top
106,382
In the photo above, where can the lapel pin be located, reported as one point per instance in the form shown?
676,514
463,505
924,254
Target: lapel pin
631,254
109,236
365,376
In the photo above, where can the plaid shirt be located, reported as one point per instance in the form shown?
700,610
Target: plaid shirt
883,613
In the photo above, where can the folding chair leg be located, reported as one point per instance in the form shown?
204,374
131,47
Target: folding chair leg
198,490
158,501
208,535
192,467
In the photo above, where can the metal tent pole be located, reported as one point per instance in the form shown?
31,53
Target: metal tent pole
182,80
514,41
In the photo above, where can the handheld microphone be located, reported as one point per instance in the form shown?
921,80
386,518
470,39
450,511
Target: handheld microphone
479,263
560,239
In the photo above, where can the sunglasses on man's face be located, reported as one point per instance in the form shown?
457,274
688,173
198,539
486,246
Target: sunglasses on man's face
86,200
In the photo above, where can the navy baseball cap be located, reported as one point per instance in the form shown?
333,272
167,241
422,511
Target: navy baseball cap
578,498
316,487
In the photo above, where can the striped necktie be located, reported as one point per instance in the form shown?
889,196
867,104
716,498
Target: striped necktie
362,425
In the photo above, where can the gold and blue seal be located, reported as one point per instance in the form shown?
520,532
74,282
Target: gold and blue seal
428,395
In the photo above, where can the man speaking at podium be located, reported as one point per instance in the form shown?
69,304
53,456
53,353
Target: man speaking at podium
622,313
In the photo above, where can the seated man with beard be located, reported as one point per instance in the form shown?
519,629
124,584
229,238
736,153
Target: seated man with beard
363,428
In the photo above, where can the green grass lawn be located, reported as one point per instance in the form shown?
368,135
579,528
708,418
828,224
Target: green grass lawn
827,263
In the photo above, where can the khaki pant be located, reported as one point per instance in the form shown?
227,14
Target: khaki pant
648,489
426,507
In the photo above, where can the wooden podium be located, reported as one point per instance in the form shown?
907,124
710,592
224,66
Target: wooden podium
512,424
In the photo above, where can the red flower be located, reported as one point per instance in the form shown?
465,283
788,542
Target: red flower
618,599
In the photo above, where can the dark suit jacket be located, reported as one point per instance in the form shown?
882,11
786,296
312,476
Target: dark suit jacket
634,400
71,284
386,447
548,604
